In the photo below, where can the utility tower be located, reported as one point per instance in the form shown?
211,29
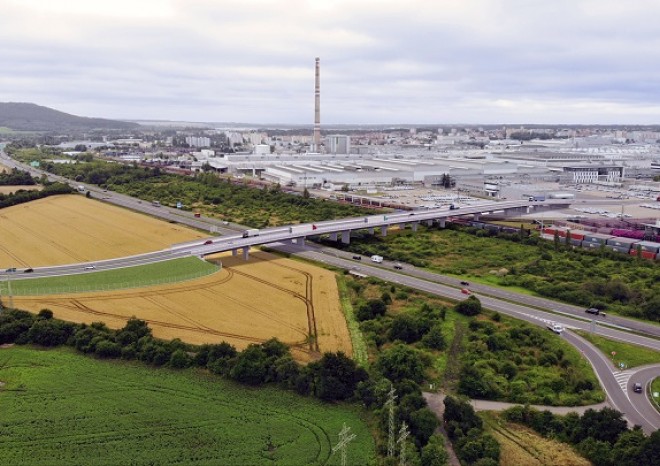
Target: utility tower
403,435
345,437
391,396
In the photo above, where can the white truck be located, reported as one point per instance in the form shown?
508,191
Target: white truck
376,258
81,189
251,232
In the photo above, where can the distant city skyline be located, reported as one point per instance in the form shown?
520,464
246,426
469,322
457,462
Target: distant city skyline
382,61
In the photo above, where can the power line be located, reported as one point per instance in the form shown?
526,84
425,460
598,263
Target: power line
344,440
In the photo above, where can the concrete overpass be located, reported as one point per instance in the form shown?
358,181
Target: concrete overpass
340,230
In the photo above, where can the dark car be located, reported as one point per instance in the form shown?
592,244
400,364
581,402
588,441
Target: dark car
357,258
28,270
637,387
465,283
11,269
398,266
208,241
592,310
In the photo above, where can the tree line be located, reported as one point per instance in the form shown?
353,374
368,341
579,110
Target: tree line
333,377
16,177
235,202
21,196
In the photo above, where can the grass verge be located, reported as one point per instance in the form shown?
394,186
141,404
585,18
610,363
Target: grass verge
360,354
630,355
130,277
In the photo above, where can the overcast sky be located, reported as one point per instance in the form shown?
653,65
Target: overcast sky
382,61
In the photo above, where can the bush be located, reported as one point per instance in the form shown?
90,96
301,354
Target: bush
107,349
469,307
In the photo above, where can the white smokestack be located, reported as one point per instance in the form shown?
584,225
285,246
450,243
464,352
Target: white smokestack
317,107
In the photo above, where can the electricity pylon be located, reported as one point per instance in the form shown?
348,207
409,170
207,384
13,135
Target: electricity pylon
344,440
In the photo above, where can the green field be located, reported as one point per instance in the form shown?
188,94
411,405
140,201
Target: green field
60,408
130,277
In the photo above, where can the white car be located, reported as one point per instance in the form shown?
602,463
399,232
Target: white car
557,328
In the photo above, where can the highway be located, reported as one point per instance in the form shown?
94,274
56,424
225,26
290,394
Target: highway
519,306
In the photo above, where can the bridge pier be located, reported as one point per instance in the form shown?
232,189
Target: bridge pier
246,252
301,242
371,230
333,236
475,217
429,223
346,237
442,222
414,226
234,252
383,230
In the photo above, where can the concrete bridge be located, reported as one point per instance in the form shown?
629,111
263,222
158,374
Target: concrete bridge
340,230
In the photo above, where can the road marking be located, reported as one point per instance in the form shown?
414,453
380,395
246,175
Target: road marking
622,378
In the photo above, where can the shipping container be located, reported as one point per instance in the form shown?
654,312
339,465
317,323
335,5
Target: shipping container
622,242
552,230
645,254
577,235
621,249
576,242
649,246
596,238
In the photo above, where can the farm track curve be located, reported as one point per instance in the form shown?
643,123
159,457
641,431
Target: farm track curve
306,299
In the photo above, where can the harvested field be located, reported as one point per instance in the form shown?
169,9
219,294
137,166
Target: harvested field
520,445
246,302
67,229
11,189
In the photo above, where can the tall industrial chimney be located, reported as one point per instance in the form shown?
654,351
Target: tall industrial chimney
317,108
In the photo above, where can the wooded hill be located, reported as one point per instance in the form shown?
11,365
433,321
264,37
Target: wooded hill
22,116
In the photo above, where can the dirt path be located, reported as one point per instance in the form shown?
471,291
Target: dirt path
485,405
435,402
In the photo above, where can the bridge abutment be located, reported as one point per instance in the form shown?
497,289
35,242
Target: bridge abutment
346,236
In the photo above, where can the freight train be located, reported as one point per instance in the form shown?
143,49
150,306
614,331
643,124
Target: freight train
588,240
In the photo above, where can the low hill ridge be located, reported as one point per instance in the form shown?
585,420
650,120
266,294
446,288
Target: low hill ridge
23,116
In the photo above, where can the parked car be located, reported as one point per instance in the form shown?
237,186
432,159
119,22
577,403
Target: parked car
11,269
208,241
398,266
465,284
637,387
90,267
357,258
465,291
592,310
30,270
557,328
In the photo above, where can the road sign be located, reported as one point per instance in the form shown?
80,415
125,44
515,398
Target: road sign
179,205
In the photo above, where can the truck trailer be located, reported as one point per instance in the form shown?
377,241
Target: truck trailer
251,232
